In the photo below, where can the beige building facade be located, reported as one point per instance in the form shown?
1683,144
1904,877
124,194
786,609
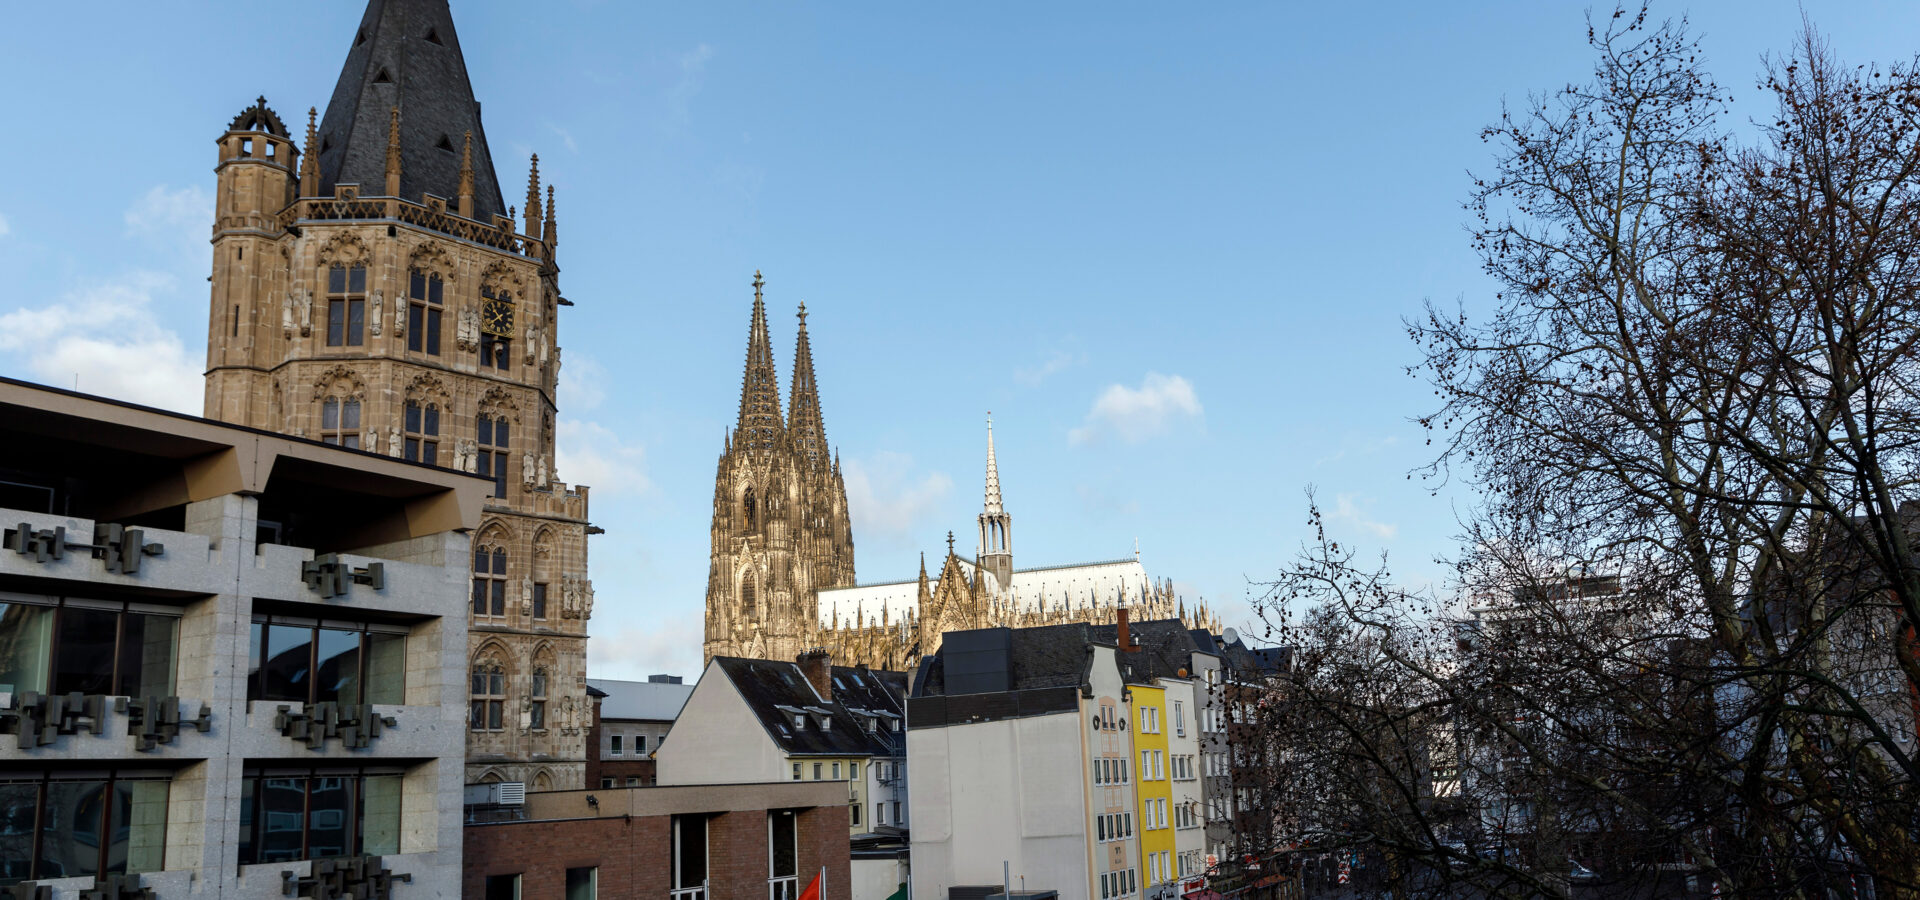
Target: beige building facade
371,290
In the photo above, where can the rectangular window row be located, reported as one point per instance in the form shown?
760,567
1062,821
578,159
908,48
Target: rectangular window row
1108,770
1149,720
64,645
1181,765
1118,884
1153,765
313,661
65,825
880,814
1183,816
296,814
1153,814
1113,826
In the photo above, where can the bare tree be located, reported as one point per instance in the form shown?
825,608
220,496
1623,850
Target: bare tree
1682,638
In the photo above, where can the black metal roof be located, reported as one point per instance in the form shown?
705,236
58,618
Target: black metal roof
1047,656
776,691
406,55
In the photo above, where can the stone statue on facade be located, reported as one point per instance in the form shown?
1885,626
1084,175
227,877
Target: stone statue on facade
526,595
394,443
286,315
544,479
376,307
305,304
400,319
533,341
527,473
586,598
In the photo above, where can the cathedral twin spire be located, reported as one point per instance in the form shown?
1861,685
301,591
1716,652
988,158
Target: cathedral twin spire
761,426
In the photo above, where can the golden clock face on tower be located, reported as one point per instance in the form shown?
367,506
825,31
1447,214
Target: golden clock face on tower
496,318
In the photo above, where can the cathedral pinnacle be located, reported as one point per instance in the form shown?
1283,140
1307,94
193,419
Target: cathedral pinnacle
465,195
533,198
760,428
393,153
309,163
806,426
552,233
993,474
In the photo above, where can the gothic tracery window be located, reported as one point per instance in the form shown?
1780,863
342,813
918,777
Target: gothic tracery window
346,305
746,502
425,296
423,432
748,600
492,460
340,422
489,581
489,695
537,705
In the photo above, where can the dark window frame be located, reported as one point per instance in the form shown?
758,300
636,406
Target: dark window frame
426,309
347,305
117,685
256,668
111,777
251,839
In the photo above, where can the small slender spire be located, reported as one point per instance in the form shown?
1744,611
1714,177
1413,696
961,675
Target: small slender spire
309,161
466,178
533,198
393,153
994,506
552,233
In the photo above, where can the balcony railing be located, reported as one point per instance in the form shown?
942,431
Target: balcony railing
783,888
692,893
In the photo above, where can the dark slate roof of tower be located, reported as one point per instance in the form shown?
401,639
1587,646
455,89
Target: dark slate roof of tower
405,54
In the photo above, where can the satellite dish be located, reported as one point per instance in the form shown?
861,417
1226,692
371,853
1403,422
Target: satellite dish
1230,636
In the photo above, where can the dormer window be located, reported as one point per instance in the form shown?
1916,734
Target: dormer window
800,721
873,723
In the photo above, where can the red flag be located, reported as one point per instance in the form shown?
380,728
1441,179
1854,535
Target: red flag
813,887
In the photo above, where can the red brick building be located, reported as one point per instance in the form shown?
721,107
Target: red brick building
702,842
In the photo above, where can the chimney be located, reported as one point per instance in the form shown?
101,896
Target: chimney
1126,637
817,665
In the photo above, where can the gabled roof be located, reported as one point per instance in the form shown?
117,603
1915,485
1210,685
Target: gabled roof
1166,648
405,54
1046,656
645,701
778,691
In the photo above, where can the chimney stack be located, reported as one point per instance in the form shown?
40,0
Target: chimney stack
1126,637
817,665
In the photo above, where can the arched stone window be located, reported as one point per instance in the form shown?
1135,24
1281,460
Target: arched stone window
489,579
489,691
747,504
346,305
340,422
426,296
423,431
537,700
749,601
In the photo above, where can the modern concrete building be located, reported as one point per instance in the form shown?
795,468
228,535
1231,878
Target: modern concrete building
232,663
1021,749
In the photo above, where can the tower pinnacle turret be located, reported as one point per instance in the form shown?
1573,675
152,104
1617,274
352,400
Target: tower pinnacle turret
760,423
996,526
807,427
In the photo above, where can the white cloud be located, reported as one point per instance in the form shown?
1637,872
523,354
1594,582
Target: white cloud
163,212
888,502
1347,509
1062,359
693,73
591,454
566,137
1136,414
582,382
105,335
664,643
5,229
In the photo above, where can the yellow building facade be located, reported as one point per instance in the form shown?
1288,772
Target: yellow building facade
1149,714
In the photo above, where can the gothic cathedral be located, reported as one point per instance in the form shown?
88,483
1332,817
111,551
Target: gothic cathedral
371,290
780,528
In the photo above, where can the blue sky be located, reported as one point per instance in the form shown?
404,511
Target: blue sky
1169,246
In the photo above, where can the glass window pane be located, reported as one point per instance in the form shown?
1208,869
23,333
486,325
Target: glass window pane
337,667
503,887
784,840
480,596
689,851
413,417
330,816
500,434
330,415
582,883
23,656
356,322
286,675
386,668
432,421
350,415
18,804
498,682
486,430
337,279
249,790
283,809
415,319
85,662
70,825
380,815
499,597
146,656
434,286
417,285
499,562
413,449
430,453
493,715
336,321
139,823
433,332
357,280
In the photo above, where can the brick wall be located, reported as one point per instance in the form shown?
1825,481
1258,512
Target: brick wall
632,855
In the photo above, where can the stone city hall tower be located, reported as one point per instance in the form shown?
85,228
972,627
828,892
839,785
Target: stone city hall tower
371,290
780,527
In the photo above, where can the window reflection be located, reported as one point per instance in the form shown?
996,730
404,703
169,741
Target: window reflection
54,825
